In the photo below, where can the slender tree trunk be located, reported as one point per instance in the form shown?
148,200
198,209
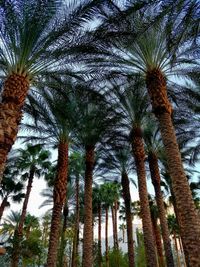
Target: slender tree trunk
139,156
59,197
158,241
19,229
15,90
3,205
177,252
99,237
88,227
106,238
129,226
116,224
179,224
156,85
76,231
113,226
155,177
63,239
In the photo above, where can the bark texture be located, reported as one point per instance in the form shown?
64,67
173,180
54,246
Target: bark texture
158,241
13,97
139,156
3,205
155,177
59,198
187,213
129,226
19,230
88,227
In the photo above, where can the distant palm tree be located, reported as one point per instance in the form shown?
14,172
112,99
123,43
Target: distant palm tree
118,162
32,161
50,111
10,188
134,105
93,118
153,146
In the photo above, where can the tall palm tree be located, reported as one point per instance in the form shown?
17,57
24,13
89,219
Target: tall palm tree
93,118
149,55
32,36
153,145
118,163
50,111
33,161
133,103
76,172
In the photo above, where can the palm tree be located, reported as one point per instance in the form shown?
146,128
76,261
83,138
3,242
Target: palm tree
148,54
118,162
97,201
93,118
153,146
133,104
156,231
34,161
76,171
50,111
35,39
10,189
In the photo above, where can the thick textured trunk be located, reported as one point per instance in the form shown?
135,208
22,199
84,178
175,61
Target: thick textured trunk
157,89
106,238
158,242
76,228
13,97
155,177
3,205
99,237
139,156
88,227
19,230
59,198
129,227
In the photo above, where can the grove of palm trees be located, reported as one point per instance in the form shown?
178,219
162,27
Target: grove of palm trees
100,101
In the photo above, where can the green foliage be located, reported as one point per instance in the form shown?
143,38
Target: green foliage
140,259
116,258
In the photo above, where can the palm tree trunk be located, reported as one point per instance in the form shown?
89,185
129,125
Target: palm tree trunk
139,156
63,239
13,97
3,205
179,224
129,227
106,238
156,85
116,224
76,229
177,252
155,177
59,197
88,227
19,229
158,242
113,224
99,237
